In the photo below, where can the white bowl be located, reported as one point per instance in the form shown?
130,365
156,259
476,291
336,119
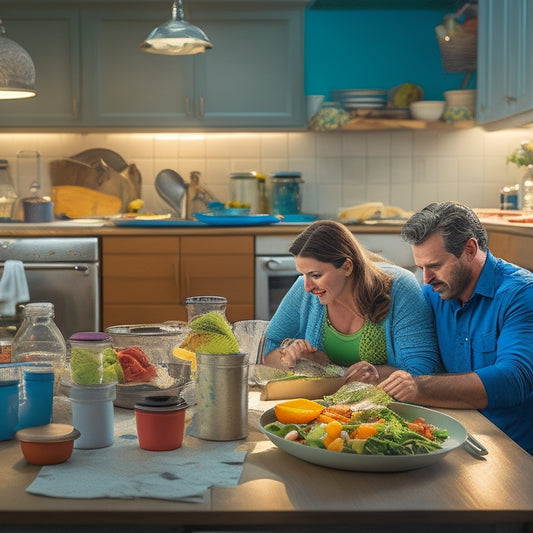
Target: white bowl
429,110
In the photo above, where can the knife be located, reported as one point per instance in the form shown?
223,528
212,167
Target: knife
474,446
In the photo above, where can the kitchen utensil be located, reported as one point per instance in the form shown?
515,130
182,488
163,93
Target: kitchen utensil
49,444
474,447
173,189
375,463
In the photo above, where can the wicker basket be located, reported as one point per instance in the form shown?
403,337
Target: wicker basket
458,51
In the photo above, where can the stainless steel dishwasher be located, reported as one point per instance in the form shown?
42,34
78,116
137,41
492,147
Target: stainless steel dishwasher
64,271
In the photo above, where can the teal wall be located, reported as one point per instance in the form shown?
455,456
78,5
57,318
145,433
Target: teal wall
367,49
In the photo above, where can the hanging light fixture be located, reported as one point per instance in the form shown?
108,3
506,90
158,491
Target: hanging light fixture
176,37
17,73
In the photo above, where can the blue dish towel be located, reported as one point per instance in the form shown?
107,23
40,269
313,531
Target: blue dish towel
124,470
13,287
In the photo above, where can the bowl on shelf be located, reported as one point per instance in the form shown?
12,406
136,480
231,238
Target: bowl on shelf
428,110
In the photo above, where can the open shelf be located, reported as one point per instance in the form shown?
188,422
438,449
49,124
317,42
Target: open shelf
366,124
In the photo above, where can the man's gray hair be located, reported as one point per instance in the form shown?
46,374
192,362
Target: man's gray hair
455,222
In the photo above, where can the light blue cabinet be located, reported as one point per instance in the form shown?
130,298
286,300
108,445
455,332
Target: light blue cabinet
51,37
92,74
505,68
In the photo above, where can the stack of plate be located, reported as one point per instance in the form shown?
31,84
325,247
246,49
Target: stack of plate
361,98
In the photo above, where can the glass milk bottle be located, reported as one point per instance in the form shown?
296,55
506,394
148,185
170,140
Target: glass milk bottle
40,340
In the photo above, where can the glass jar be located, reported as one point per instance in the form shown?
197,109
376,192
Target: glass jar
244,190
527,191
40,340
286,198
8,196
200,305
87,357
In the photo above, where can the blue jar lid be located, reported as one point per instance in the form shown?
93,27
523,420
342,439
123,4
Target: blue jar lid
287,175
94,336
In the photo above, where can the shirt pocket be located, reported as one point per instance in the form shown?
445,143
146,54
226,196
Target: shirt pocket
483,347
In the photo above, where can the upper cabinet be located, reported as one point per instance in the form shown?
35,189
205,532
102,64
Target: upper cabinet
505,70
91,72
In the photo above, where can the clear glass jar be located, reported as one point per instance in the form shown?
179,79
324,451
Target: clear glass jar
8,196
244,190
527,191
200,305
286,197
40,340
86,363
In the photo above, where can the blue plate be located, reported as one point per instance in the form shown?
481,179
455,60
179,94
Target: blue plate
235,220
144,223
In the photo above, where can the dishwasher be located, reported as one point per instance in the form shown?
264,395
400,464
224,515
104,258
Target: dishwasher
64,271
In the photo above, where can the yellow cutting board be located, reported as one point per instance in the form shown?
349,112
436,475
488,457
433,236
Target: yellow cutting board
310,388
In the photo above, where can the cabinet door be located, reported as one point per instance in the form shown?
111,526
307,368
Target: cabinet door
505,71
220,266
254,75
124,86
51,37
140,280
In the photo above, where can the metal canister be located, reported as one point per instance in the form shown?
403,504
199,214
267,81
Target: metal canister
222,396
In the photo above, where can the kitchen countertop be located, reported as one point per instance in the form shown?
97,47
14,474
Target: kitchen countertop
277,490
71,228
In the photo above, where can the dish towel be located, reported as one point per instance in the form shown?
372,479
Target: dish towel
13,287
123,470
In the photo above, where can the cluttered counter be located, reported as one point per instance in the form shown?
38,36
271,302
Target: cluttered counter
277,490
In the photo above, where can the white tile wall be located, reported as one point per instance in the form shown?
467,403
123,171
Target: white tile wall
408,169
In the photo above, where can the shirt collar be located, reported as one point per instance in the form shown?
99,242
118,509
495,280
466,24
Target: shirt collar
486,285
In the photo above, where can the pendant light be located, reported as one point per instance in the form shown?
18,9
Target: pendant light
17,73
176,37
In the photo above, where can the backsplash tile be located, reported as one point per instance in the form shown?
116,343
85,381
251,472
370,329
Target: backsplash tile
404,168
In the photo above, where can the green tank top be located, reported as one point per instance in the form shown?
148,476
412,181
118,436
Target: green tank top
367,344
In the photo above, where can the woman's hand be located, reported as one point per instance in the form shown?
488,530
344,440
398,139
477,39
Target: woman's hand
296,349
363,372
401,386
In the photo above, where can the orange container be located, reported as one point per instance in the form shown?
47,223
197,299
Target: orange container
160,423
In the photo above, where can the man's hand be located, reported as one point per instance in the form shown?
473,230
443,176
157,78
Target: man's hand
401,386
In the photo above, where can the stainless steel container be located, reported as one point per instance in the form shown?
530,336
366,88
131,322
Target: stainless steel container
222,396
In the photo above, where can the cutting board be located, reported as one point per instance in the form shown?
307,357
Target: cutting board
310,388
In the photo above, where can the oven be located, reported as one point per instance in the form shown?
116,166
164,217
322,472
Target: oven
64,271
275,271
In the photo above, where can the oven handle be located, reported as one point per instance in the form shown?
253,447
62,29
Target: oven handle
55,266
279,264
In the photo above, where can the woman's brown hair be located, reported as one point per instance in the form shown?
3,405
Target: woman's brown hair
328,241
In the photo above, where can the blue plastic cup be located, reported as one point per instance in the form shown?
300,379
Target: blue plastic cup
9,408
36,410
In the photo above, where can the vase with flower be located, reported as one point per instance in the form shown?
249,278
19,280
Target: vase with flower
523,157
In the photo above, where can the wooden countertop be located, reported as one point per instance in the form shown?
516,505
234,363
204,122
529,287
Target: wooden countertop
278,490
69,229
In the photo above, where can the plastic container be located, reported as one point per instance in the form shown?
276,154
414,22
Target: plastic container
286,196
86,357
9,408
200,305
39,339
222,396
160,423
36,409
92,414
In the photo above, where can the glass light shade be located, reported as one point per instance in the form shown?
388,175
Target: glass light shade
176,37
17,73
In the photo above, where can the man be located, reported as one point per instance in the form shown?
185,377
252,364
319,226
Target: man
483,309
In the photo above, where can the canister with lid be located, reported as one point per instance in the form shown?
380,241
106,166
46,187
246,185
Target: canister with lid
244,189
86,357
286,196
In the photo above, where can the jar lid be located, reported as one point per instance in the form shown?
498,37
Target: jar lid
242,175
94,336
48,433
285,175
161,404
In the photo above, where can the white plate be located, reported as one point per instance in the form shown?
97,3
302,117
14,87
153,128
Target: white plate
375,463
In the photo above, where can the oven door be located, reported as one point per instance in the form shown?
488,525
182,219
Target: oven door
274,276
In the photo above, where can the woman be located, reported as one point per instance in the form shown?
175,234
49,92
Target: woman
351,308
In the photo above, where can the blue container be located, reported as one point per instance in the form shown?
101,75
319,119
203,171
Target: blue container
37,407
286,197
9,408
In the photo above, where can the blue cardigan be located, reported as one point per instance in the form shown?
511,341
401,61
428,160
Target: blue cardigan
409,327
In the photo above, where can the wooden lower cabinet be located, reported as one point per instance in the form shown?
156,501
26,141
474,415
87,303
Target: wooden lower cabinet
516,249
146,279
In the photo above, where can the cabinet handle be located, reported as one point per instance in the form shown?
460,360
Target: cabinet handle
74,108
508,99
201,114
187,106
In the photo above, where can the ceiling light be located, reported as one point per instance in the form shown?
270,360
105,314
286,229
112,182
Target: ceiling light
17,73
176,37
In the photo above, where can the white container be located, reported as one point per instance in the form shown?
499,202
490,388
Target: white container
429,110
92,415
465,98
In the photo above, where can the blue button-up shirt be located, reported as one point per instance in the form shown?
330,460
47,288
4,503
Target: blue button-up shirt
492,335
